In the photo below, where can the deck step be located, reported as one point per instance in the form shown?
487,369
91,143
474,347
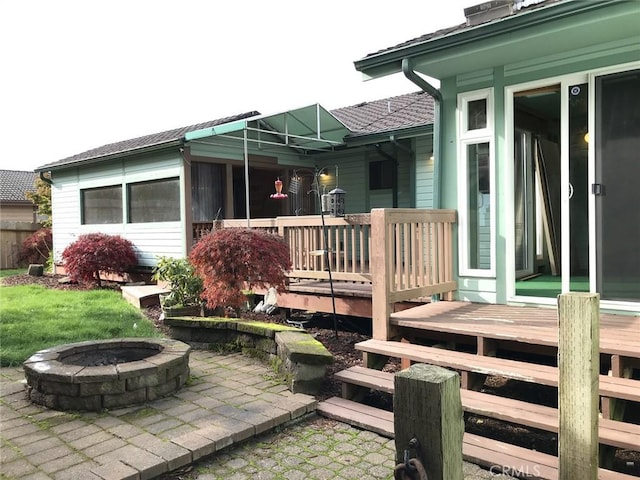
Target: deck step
488,453
613,387
359,415
612,432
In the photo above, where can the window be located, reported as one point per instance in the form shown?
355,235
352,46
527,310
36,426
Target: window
101,205
155,201
476,184
380,175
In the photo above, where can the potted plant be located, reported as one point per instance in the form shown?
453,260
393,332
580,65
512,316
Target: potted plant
185,287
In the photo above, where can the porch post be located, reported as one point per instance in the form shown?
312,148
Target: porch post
379,275
246,178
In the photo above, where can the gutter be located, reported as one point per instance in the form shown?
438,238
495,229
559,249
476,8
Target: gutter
408,71
388,61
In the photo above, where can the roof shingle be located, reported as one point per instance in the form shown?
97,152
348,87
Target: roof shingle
142,142
523,6
387,114
14,184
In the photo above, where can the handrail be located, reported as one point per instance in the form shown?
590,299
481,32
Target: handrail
349,240
413,259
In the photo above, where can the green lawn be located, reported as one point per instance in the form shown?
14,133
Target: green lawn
33,318
12,271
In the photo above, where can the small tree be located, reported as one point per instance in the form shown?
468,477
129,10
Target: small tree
93,253
228,259
36,248
42,199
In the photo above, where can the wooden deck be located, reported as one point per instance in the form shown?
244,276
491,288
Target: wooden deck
486,329
516,343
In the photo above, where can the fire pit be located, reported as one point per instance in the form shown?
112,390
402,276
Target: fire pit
106,374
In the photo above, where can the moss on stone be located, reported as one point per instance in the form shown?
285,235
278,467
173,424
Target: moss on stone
303,348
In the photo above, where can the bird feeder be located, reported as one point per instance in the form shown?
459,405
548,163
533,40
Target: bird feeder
279,194
336,202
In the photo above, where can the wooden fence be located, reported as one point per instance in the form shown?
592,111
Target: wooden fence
12,234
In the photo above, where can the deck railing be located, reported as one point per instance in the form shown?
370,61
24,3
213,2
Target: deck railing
412,258
348,238
405,254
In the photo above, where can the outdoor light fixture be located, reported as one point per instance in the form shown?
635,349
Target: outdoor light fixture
279,194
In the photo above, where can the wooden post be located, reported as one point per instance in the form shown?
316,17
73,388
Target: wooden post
427,406
378,262
578,389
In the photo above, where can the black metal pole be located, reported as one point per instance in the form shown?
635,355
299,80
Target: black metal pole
326,253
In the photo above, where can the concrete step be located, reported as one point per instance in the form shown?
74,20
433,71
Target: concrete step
143,296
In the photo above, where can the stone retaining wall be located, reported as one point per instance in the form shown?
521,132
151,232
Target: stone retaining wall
292,352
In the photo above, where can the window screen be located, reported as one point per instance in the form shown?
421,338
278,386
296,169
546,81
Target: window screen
101,205
155,201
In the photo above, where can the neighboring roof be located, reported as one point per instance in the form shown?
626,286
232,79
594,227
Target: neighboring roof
14,184
388,114
155,139
522,7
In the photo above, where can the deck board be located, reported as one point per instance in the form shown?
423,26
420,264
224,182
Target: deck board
619,334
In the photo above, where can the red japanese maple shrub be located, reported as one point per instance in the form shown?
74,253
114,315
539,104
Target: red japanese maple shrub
36,247
94,253
229,259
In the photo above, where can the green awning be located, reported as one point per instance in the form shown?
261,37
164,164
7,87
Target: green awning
309,128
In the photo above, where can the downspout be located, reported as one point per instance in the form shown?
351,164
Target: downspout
45,179
425,86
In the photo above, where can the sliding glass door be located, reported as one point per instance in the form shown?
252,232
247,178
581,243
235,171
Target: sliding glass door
617,185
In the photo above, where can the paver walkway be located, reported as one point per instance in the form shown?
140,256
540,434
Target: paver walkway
232,403
229,398
313,449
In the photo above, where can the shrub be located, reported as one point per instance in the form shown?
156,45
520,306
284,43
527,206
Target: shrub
229,258
93,253
184,284
36,248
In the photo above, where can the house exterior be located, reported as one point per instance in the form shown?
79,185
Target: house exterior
160,190
536,146
17,214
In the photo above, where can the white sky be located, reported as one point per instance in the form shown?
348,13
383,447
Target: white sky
79,74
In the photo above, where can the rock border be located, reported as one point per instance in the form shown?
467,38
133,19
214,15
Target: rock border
290,351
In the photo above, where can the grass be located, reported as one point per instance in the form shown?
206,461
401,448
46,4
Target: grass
33,318
12,271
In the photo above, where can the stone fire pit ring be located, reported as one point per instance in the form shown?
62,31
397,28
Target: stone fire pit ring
106,374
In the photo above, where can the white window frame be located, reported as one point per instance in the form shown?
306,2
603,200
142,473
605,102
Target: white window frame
466,138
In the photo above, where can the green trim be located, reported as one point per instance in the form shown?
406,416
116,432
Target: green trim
390,61
216,130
